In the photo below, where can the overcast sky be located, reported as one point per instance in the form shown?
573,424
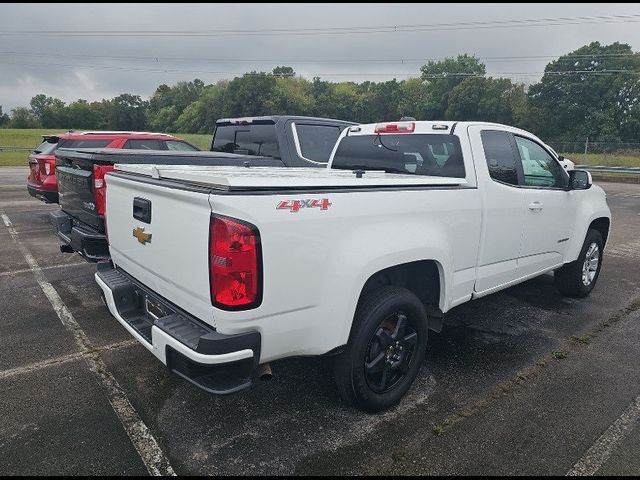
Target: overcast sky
72,67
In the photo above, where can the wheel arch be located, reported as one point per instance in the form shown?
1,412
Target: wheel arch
424,278
602,225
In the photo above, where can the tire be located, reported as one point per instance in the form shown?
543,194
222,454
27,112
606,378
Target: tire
570,280
389,334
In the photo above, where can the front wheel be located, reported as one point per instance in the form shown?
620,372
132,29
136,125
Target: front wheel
386,348
577,279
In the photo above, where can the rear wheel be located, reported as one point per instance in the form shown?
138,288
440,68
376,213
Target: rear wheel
386,349
577,279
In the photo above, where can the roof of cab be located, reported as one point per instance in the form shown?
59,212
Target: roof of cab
278,118
107,135
434,126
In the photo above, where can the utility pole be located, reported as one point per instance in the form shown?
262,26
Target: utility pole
586,145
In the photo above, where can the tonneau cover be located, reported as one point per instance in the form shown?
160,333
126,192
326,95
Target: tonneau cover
242,178
161,157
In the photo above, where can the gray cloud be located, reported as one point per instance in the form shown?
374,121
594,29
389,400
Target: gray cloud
90,76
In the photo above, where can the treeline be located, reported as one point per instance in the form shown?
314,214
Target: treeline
592,92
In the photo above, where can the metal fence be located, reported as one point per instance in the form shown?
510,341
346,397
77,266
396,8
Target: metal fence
606,169
16,149
595,146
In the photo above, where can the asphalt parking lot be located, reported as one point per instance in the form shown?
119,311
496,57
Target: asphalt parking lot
520,382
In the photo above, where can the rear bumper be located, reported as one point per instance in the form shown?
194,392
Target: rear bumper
78,237
46,196
219,364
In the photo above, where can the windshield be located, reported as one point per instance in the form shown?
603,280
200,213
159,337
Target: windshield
254,139
46,147
415,154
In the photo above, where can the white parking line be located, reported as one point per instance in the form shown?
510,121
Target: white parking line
72,357
602,449
139,434
50,267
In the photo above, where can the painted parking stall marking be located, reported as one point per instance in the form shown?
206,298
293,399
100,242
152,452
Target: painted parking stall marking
12,372
145,444
602,449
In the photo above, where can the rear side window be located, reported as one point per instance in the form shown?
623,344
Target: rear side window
46,147
84,143
419,154
144,144
254,139
501,158
317,141
176,145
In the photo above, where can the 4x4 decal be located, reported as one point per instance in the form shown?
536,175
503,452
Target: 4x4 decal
295,205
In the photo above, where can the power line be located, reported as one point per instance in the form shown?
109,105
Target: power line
488,59
330,74
512,23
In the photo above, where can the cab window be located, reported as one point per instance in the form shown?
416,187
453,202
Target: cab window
317,141
500,156
540,169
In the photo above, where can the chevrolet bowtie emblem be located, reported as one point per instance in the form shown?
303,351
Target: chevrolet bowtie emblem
141,236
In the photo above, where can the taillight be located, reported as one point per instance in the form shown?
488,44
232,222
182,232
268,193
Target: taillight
235,264
99,187
403,127
42,167
49,167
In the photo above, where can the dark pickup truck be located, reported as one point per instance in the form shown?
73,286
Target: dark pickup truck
296,141
277,141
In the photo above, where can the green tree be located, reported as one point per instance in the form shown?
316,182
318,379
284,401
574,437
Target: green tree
22,117
128,112
484,99
589,93
201,115
252,94
4,118
293,96
283,71
443,76
40,103
377,101
167,103
414,99
82,115
335,100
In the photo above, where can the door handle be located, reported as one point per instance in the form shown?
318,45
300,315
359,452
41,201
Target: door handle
142,209
535,206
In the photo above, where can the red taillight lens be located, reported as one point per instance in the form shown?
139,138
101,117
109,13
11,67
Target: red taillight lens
49,167
42,169
404,127
100,188
234,264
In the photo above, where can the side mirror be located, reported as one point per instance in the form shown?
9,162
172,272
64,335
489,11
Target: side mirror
580,180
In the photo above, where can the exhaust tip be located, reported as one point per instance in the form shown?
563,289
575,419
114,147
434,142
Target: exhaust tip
264,372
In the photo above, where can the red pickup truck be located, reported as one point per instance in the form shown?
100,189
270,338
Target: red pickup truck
42,183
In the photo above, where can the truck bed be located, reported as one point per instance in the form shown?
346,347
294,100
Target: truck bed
270,178
75,172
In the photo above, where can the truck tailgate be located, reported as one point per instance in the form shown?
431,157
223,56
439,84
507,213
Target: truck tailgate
75,188
173,261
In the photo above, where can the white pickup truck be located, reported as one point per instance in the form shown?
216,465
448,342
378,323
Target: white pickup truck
220,270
